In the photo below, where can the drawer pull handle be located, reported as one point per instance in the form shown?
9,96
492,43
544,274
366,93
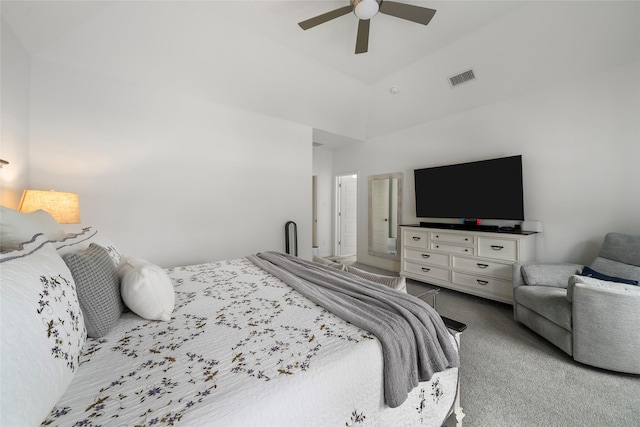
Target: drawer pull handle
416,238
466,250
437,236
481,282
426,270
497,247
482,265
425,255
437,246
466,239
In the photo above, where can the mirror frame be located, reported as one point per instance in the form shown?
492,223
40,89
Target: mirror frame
398,176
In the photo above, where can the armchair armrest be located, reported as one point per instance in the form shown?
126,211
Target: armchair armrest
544,274
606,323
596,286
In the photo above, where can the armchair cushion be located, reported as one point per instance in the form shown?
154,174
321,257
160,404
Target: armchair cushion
623,248
548,302
555,275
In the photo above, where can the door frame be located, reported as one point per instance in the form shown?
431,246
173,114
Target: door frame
314,211
338,208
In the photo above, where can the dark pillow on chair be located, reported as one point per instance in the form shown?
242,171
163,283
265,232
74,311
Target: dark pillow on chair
592,273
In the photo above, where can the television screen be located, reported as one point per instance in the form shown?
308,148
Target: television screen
487,189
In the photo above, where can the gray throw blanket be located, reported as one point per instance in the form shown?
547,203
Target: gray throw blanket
415,342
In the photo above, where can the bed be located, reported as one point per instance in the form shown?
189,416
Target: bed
239,347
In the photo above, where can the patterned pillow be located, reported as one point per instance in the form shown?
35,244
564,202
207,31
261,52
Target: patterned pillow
146,289
98,288
18,227
75,242
42,332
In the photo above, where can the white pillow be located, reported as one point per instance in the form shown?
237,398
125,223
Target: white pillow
42,332
18,227
146,289
75,242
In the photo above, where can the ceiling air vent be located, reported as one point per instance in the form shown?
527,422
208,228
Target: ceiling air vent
461,78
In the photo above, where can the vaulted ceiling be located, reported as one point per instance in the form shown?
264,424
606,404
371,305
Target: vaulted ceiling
253,55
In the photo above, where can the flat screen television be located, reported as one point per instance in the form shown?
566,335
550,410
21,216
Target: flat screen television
487,189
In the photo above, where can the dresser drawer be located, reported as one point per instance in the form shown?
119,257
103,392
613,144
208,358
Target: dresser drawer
478,266
487,285
498,248
415,239
427,257
467,250
453,238
427,271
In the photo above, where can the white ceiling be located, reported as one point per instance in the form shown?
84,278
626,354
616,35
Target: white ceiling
252,54
394,43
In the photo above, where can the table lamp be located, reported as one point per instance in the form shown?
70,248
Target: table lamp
63,207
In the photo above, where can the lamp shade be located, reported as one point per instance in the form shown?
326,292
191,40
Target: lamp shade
63,207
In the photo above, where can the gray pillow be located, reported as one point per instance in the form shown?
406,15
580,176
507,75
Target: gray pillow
398,283
555,275
98,288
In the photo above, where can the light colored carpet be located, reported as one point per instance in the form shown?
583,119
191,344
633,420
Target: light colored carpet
510,376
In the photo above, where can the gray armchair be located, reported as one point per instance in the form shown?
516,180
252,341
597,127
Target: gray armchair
594,320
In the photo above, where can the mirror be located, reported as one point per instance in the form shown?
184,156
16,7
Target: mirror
385,209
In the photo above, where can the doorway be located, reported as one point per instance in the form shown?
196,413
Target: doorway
346,215
314,214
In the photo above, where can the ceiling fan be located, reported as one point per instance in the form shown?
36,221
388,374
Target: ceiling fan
367,9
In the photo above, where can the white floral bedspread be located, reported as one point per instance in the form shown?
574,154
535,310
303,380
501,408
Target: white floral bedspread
242,349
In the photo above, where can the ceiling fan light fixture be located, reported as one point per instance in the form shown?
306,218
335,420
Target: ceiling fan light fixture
365,9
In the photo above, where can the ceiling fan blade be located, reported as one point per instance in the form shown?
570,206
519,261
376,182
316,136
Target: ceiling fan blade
420,15
362,41
325,17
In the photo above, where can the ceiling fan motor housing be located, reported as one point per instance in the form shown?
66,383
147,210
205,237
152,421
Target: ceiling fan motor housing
365,9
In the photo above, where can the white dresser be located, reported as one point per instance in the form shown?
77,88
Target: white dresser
476,262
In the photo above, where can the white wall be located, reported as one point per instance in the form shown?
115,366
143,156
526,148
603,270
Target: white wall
169,177
580,144
14,106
